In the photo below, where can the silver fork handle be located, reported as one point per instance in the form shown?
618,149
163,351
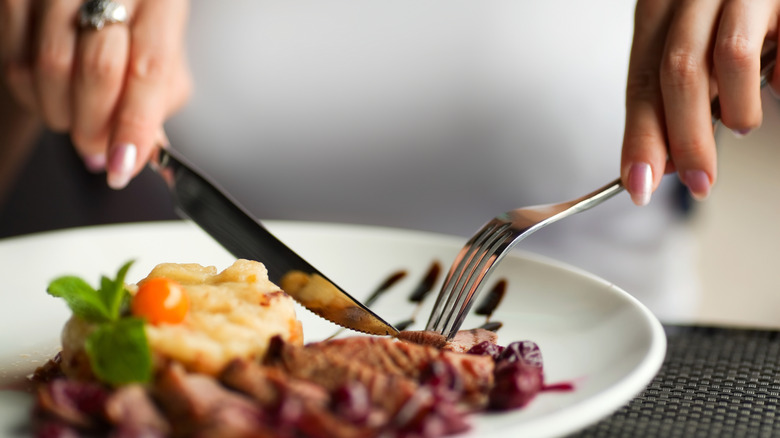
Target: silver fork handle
595,198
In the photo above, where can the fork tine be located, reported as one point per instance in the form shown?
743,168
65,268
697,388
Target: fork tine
476,253
469,281
465,270
444,299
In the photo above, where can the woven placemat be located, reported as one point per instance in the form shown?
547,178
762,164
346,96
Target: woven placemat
714,382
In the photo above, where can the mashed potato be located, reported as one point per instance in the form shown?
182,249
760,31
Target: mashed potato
233,314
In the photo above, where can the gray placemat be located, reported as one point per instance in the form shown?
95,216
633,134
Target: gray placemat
714,382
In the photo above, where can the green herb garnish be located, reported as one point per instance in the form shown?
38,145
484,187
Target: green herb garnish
117,348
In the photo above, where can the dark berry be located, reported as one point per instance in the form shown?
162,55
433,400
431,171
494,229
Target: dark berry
522,351
441,375
516,383
486,348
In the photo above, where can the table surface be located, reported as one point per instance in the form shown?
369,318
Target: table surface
715,381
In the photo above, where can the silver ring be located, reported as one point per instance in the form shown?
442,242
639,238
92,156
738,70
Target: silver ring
98,13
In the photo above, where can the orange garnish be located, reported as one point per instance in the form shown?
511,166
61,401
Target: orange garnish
160,300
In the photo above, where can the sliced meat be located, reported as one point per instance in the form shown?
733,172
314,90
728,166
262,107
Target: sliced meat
313,408
332,371
465,339
196,402
131,409
423,337
388,357
269,385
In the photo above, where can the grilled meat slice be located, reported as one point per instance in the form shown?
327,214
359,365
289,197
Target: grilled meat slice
198,404
308,407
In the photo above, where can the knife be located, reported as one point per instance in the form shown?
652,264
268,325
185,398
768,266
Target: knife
200,200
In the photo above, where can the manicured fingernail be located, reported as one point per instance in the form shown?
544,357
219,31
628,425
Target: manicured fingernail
739,133
95,163
121,162
640,183
698,183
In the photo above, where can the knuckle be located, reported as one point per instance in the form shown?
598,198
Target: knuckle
642,84
680,69
689,150
734,51
102,65
147,67
133,121
53,61
638,140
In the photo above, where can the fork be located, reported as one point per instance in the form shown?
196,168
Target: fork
489,245
494,240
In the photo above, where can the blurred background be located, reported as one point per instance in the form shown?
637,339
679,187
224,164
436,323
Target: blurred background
738,228
438,116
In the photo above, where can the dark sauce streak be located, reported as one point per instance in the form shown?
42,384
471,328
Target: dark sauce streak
420,292
423,289
385,285
426,286
492,326
492,299
403,325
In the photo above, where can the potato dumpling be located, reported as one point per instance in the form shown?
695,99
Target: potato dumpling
232,314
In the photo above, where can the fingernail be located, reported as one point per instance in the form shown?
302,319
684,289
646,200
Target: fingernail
698,183
739,133
121,162
95,163
640,183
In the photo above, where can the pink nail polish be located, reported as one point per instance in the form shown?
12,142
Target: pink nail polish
95,163
640,183
739,133
121,162
698,183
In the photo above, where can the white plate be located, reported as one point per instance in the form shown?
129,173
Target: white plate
590,332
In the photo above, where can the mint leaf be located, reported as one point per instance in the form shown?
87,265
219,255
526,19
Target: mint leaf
81,298
119,352
113,292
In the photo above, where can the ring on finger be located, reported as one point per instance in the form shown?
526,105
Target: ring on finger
97,13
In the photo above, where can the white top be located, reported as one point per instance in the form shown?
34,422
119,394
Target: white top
432,115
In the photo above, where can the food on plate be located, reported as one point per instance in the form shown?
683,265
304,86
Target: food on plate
189,351
218,316
233,314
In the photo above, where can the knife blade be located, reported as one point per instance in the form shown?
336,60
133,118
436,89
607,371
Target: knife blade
211,208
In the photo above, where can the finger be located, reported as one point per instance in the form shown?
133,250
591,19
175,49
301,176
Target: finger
101,62
52,66
740,38
644,154
685,86
156,37
15,37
